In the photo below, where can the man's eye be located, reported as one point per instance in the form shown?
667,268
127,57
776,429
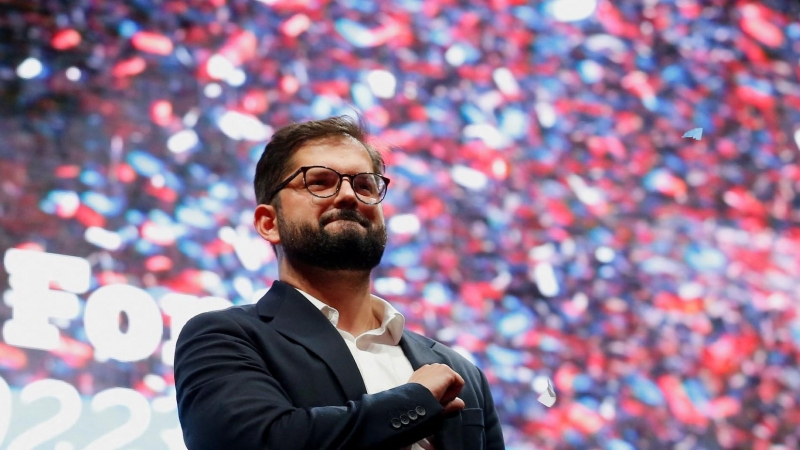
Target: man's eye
366,187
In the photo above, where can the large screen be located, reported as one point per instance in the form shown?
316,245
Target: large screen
598,196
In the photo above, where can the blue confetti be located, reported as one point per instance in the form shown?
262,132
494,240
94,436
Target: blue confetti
694,133
145,163
355,33
102,204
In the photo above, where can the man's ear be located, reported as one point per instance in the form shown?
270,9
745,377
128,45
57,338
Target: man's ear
265,220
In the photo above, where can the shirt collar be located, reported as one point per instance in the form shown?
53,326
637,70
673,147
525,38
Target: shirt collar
392,321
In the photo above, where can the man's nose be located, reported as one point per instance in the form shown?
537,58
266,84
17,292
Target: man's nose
346,193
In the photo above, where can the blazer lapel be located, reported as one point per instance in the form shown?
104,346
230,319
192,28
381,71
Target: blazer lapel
419,352
299,320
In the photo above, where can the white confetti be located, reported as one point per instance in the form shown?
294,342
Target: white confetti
382,83
404,224
505,81
548,397
220,67
182,141
243,127
572,10
30,68
103,238
73,74
545,278
469,178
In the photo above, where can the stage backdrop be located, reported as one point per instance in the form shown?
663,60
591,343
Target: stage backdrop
602,194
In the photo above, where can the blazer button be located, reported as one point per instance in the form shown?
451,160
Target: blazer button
413,415
420,410
404,419
396,423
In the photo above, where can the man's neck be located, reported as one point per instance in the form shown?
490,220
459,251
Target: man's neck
345,291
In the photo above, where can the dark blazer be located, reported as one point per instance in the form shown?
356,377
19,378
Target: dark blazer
277,375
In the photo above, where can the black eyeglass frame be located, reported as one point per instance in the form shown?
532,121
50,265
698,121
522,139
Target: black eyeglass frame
305,169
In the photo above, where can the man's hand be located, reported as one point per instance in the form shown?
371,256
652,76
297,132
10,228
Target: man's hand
443,382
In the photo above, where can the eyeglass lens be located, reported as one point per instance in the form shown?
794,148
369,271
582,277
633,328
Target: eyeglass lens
323,182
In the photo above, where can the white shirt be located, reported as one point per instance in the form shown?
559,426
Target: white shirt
381,361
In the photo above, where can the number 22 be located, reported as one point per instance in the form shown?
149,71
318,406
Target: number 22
69,413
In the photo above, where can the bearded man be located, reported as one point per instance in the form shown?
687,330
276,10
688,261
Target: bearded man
319,362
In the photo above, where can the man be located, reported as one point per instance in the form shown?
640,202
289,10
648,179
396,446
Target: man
319,362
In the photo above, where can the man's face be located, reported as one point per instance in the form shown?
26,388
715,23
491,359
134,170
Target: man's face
335,233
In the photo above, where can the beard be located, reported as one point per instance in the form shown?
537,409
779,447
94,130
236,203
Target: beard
350,248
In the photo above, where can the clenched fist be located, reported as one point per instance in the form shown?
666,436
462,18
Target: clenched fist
443,382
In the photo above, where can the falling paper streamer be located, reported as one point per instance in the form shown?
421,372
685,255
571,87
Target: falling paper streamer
548,397
695,133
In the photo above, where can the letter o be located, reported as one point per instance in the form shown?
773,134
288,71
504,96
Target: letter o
101,322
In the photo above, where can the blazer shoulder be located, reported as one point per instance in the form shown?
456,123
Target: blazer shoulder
233,313
235,316
453,357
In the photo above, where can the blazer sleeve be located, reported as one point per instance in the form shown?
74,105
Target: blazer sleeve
493,428
227,399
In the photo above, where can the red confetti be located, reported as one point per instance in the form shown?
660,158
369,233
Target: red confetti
162,193
108,277
89,217
31,246
12,358
158,263
65,39
74,353
255,102
125,173
150,42
755,97
129,67
755,22
584,419
296,25
190,281
70,171
471,342
723,407
564,378
638,84
600,146
336,88
161,112
289,84
679,402
240,48
378,115
560,212
218,247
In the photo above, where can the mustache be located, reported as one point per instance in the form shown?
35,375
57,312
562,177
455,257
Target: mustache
345,214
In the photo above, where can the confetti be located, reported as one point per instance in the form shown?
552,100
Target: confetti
694,133
548,397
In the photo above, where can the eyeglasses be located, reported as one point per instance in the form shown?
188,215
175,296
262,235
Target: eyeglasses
324,182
